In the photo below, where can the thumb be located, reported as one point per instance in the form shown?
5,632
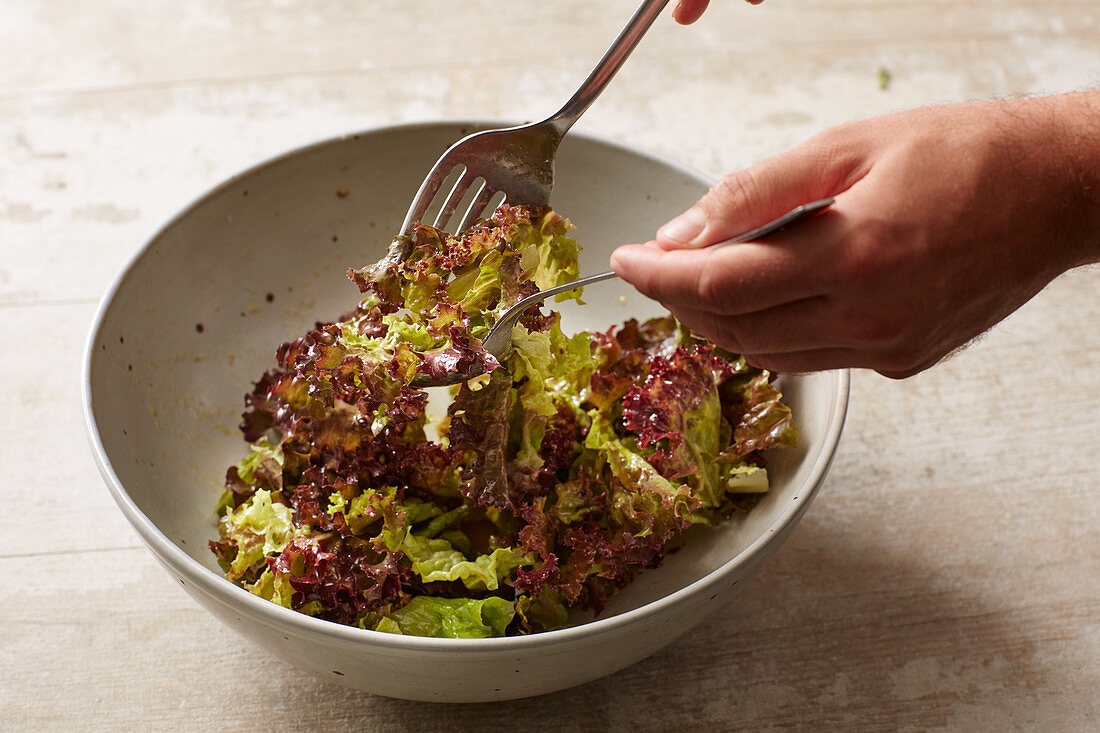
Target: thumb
750,198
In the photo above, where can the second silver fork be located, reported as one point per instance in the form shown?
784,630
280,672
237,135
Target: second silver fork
516,164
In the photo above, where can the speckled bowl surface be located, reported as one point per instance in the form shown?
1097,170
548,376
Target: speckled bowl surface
197,314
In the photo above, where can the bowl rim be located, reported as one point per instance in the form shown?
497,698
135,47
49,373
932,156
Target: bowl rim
230,594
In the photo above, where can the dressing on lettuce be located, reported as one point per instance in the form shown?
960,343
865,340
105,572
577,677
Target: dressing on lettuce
559,474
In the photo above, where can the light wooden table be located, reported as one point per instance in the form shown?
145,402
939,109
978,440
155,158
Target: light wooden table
948,577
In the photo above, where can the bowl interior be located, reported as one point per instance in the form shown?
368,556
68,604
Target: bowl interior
198,314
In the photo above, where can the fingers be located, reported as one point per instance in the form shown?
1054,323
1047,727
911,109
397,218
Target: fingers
817,360
801,362
742,201
804,336
807,336
687,12
738,278
803,325
725,281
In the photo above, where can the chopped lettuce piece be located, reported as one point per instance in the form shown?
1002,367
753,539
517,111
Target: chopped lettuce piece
435,559
544,612
265,459
258,529
642,500
454,618
766,422
273,587
746,479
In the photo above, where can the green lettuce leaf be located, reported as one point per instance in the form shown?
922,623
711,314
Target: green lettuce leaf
558,255
642,500
453,618
745,479
264,459
258,528
274,587
542,612
436,560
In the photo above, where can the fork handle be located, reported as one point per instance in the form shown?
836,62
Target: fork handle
635,28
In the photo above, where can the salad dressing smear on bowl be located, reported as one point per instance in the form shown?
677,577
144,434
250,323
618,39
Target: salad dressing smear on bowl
552,479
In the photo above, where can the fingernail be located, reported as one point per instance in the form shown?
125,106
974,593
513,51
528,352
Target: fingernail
684,228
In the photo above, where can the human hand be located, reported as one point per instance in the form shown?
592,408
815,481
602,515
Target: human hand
687,12
946,220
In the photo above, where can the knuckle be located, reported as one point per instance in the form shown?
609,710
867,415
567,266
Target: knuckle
734,187
872,330
840,145
867,255
829,143
721,331
713,289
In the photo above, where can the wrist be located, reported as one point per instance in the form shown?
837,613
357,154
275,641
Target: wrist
1064,135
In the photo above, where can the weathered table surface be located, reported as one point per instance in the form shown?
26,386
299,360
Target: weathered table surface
948,576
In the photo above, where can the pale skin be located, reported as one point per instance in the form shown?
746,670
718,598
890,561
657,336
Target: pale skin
946,220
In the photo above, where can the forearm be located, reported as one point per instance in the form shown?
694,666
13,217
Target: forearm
1067,133
1044,180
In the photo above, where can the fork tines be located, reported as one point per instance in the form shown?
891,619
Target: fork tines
468,194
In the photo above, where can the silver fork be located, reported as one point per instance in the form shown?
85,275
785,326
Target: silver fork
518,162
498,342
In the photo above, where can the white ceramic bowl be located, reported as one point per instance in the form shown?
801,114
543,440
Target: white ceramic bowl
196,317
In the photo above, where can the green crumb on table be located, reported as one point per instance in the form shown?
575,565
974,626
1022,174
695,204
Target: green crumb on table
884,78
